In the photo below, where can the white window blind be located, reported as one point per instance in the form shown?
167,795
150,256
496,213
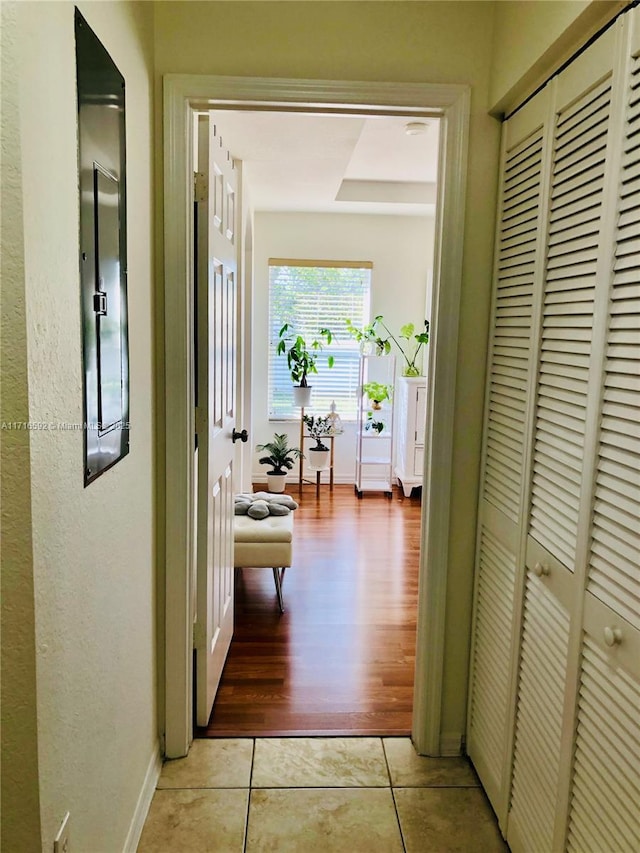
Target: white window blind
311,295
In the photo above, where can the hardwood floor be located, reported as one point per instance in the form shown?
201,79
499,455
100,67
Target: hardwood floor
340,660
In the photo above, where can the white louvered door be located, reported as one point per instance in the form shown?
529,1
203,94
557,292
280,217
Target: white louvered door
605,792
554,709
574,245
500,537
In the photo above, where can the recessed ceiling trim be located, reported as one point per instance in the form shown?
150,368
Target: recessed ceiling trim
391,192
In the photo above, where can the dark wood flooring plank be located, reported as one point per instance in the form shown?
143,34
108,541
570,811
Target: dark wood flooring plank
341,658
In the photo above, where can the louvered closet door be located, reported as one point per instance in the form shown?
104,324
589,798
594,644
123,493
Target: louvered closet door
605,798
552,593
518,267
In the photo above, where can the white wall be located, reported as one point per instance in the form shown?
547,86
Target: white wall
20,797
532,40
401,250
92,549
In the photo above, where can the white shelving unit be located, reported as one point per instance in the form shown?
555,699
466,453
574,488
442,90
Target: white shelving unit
410,406
374,450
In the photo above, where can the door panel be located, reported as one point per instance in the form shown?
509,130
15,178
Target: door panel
605,794
215,415
502,505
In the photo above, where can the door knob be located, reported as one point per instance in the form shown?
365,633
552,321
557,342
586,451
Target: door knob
540,570
612,636
235,435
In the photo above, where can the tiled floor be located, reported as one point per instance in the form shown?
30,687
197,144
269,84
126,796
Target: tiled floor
357,795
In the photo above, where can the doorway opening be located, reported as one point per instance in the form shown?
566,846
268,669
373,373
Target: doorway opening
324,187
449,103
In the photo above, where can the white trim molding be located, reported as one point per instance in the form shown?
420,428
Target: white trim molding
182,95
144,801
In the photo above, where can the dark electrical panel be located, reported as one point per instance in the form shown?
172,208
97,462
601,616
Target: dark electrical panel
103,252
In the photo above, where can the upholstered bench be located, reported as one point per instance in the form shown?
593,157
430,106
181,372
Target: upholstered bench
264,543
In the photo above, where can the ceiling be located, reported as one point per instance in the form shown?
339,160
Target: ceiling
308,162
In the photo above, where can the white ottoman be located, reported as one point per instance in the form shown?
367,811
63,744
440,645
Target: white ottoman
264,543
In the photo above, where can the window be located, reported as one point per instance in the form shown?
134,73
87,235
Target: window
311,295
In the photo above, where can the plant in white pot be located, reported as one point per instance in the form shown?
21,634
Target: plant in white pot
280,459
318,428
301,359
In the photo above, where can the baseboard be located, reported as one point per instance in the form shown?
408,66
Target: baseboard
144,800
451,743
339,480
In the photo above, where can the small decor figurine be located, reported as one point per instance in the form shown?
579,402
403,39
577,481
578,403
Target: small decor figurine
334,420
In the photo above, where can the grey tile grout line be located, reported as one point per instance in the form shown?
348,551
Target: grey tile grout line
393,796
253,758
386,761
246,820
323,788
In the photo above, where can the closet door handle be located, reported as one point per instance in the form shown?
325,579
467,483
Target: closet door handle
541,570
612,636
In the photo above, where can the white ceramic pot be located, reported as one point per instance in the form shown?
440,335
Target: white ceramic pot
275,482
318,459
301,396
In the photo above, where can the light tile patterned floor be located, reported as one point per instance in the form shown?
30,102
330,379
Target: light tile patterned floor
335,795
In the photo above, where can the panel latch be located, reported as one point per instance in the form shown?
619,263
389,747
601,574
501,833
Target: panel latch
100,303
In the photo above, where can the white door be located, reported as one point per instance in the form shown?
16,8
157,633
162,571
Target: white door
215,351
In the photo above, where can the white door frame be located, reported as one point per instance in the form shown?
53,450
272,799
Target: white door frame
182,94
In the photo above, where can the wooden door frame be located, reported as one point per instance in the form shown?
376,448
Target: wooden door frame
182,94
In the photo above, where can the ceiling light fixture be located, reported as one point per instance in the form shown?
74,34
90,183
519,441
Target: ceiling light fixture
416,128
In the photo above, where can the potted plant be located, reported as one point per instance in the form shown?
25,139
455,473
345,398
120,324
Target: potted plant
301,359
280,459
373,425
408,332
377,393
371,342
379,345
318,428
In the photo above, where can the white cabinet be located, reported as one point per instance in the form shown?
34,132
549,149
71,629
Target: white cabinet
374,447
411,415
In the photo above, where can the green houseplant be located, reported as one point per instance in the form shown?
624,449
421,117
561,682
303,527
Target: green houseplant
377,393
373,425
302,358
318,428
280,458
380,344
370,340
417,340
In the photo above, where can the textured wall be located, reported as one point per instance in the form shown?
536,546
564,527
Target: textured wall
93,551
20,800
532,39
